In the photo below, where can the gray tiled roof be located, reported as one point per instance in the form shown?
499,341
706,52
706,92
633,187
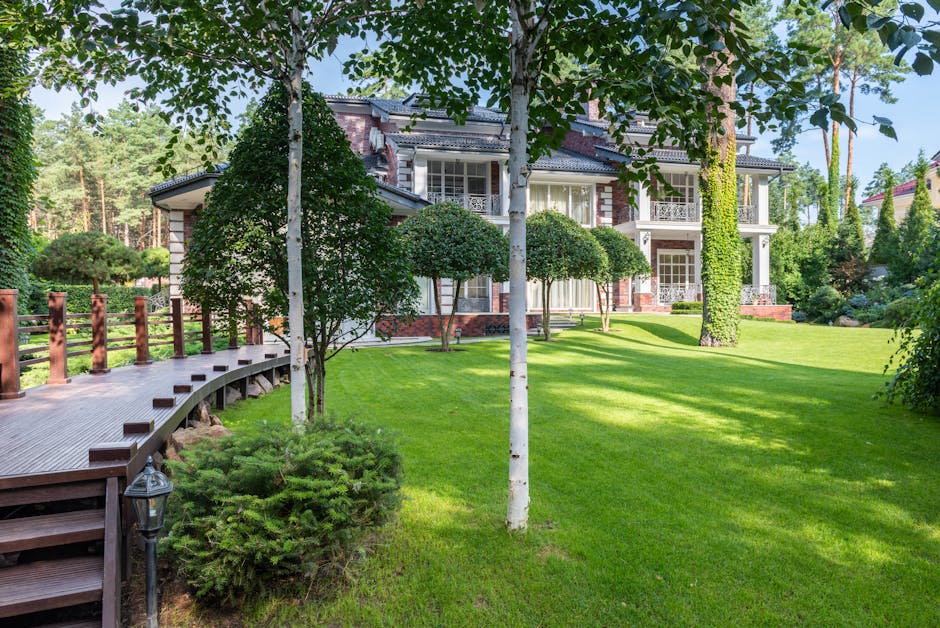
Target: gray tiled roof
477,114
487,143
675,156
192,176
572,162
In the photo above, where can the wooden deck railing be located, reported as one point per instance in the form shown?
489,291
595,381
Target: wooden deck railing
69,334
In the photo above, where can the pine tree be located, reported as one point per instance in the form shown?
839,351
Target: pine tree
18,171
914,232
885,246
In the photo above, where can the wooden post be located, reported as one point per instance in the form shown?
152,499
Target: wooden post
9,346
99,334
176,311
141,331
58,341
207,331
249,326
232,329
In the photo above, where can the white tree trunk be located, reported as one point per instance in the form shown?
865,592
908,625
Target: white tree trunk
517,514
298,384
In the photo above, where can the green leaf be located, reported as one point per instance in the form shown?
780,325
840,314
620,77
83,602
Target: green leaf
923,64
912,10
888,131
820,118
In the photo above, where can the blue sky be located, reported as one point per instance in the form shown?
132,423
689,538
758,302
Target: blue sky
914,115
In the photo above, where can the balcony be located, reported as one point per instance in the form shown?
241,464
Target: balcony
747,214
673,212
758,295
667,211
667,294
482,204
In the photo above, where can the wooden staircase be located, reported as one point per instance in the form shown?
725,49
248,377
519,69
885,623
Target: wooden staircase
61,547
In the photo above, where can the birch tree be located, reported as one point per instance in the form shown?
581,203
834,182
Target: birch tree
458,50
196,58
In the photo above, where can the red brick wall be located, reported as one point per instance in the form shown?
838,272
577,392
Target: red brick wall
357,128
583,144
779,312
392,158
622,203
472,325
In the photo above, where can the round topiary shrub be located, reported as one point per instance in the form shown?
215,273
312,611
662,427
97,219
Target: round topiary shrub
277,507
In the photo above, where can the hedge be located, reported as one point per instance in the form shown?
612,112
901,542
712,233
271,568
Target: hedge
687,307
120,298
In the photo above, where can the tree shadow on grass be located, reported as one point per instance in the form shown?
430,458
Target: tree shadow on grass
665,332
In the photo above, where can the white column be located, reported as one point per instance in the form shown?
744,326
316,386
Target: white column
760,267
643,201
606,219
177,250
503,189
762,200
644,240
447,296
697,262
421,177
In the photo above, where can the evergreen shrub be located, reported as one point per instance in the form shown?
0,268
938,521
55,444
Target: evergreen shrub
900,311
277,507
825,305
799,316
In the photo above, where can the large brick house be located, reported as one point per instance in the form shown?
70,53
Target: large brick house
418,156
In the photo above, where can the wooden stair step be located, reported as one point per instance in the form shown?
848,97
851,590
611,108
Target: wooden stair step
24,533
56,493
74,624
48,584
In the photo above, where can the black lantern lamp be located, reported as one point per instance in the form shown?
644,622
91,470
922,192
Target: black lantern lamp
582,318
148,493
458,333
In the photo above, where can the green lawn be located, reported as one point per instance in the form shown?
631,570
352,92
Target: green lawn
670,484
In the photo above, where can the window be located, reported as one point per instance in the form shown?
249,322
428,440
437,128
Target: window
745,190
675,268
474,295
425,295
571,294
456,178
683,188
476,288
571,200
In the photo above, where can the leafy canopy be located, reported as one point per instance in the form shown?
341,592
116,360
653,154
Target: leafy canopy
558,248
446,240
624,257
87,257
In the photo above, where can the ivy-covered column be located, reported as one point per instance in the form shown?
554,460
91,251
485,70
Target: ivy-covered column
17,168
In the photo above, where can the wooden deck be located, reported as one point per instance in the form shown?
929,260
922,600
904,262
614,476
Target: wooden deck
46,436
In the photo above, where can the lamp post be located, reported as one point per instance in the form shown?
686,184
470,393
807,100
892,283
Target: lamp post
458,332
581,316
148,493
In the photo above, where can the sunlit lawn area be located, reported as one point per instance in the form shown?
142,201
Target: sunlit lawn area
670,484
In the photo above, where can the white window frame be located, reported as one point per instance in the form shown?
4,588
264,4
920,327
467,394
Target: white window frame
592,199
462,164
689,186
690,265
